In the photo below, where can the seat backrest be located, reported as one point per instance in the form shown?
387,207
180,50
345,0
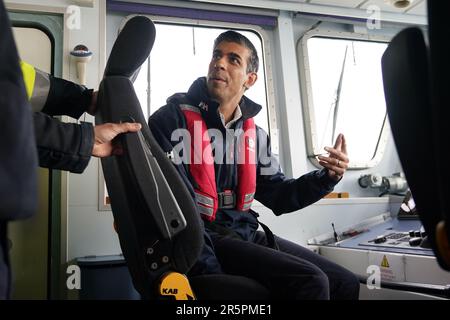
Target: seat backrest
412,115
439,33
157,223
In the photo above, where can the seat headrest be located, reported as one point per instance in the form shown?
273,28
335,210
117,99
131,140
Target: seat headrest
132,47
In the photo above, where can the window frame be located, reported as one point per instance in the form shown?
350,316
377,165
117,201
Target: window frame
265,66
308,102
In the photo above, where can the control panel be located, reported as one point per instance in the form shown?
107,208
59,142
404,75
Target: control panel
414,239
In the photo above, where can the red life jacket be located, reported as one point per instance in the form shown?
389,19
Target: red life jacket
202,170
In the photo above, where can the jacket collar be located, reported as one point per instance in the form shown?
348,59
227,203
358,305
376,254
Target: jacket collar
198,96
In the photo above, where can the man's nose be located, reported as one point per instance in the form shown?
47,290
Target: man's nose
219,63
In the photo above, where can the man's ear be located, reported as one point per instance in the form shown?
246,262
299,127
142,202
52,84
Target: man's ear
442,242
251,79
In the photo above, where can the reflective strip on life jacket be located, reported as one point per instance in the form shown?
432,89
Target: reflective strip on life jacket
246,166
37,84
204,200
202,169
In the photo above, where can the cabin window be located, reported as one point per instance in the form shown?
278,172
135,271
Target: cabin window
344,94
173,66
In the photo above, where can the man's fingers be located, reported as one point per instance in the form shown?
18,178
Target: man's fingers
337,170
340,155
344,145
334,162
106,132
338,142
337,162
127,127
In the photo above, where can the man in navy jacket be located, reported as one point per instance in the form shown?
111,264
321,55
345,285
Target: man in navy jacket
217,107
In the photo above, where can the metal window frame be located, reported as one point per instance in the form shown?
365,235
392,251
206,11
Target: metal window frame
308,103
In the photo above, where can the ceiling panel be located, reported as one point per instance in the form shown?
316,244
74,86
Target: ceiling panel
420,9
416,14
338,3
385,6
298,1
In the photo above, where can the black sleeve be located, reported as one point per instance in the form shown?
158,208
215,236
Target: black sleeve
67,98
18,160
281,194
64,146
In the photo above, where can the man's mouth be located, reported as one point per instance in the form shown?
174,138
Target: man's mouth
218,79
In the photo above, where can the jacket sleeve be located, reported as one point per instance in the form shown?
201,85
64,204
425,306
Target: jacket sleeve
66,98
64,146
281,194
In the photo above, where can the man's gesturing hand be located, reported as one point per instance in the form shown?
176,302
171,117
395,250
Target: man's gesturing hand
337,162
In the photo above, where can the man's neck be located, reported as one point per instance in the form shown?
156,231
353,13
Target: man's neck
227,112
228,108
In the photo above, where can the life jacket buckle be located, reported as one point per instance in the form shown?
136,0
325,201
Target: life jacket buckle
170,155
226,199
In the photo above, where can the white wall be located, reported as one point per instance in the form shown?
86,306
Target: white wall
89,231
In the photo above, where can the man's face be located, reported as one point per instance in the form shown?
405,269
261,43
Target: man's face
227,73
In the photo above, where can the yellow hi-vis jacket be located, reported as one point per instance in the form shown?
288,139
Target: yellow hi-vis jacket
37,85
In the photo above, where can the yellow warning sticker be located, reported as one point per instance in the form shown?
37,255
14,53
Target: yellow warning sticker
384,262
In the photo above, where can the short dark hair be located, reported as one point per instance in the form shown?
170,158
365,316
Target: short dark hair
233,36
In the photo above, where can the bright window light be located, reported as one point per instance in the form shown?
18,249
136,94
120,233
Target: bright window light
180,55
347,94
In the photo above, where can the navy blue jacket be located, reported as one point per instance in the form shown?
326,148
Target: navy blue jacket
274,190
18,157
59,145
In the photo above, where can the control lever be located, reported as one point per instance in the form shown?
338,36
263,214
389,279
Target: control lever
336,237
379,239
414,242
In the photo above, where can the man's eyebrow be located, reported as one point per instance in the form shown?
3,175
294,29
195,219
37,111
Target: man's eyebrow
234,55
